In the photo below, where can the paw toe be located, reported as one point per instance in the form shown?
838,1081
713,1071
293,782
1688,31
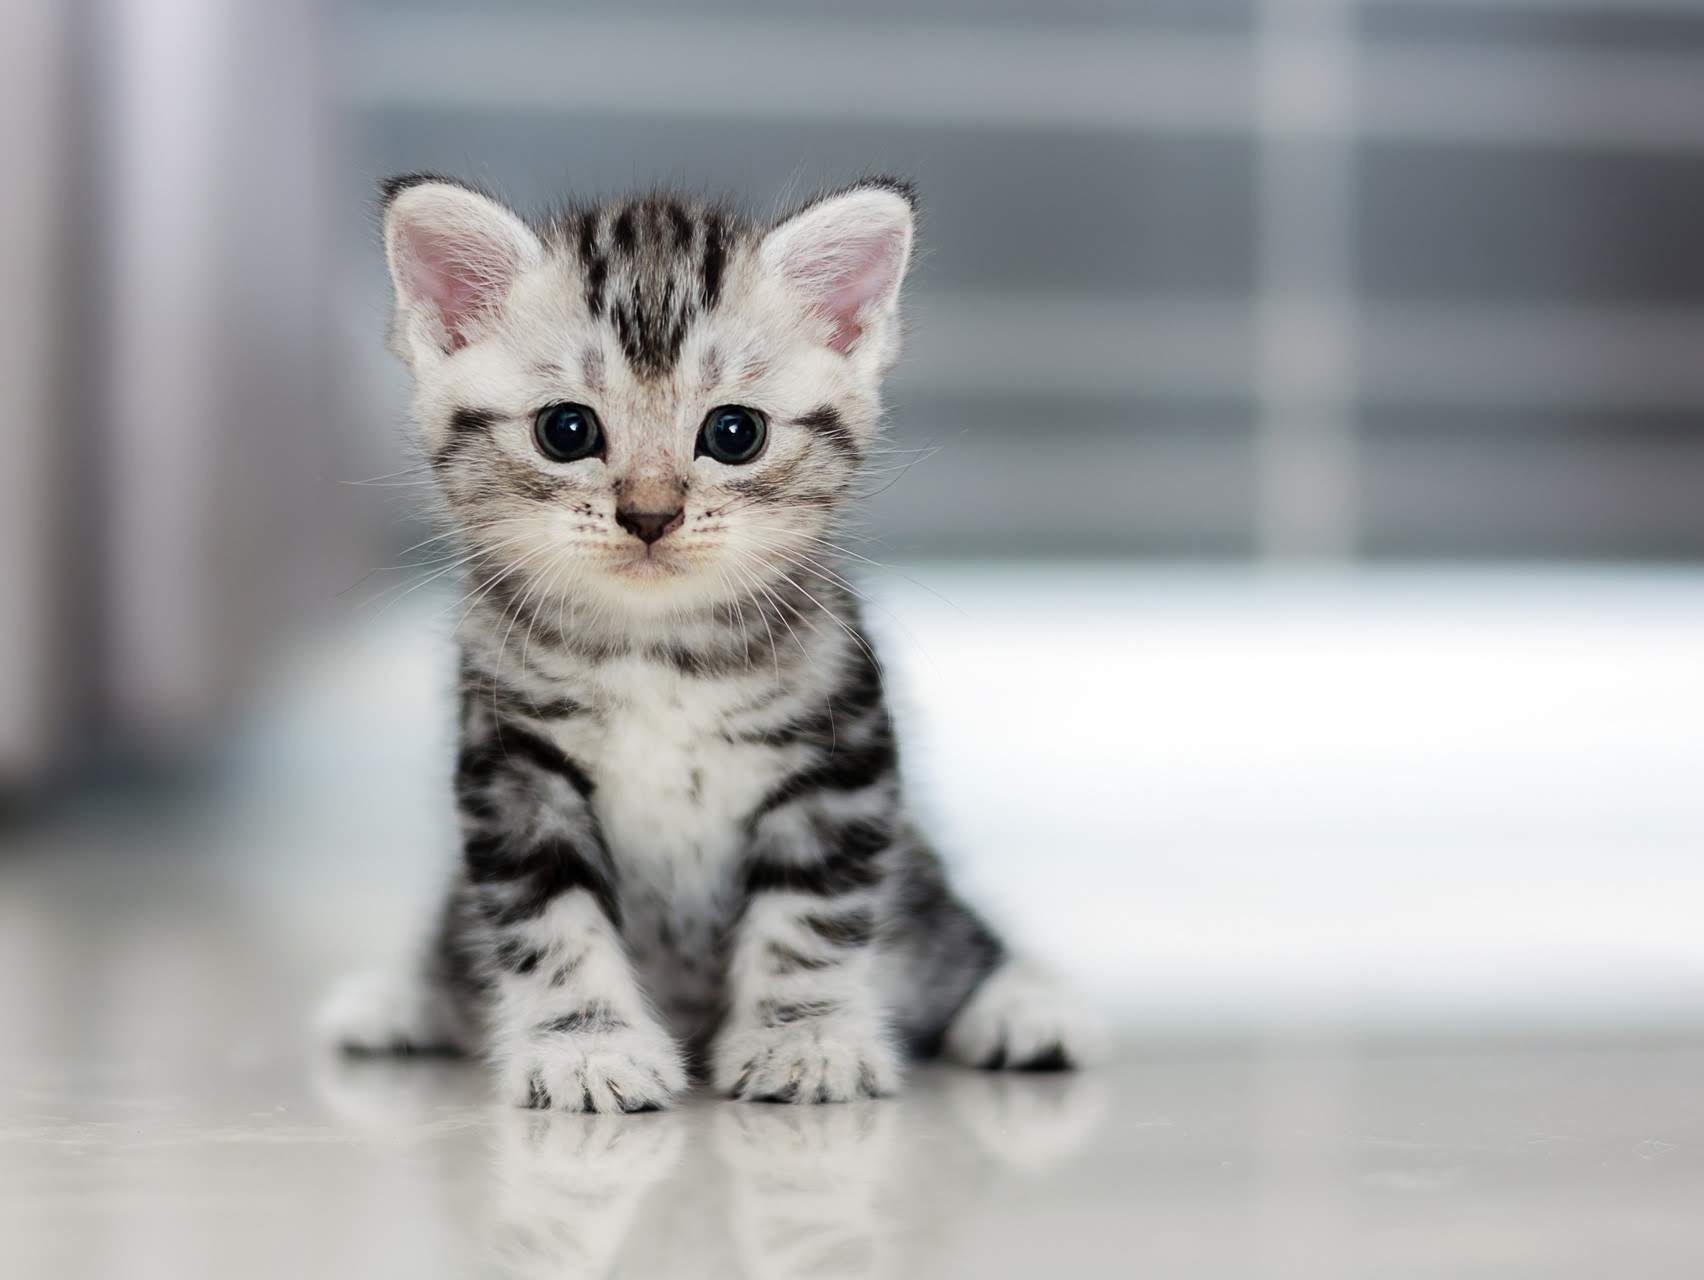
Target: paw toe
1021,1021
635,1069
805,1064
375,1014
1051,1058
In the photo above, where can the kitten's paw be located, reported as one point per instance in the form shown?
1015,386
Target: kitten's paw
1020,1019
390,1012
827,1058
593,1061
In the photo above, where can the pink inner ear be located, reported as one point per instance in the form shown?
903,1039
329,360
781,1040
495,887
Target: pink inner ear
854,273
460,277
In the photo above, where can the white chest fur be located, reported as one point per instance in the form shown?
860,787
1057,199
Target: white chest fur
672,794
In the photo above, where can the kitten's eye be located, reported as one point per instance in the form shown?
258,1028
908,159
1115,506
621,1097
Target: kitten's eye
732,434
567,432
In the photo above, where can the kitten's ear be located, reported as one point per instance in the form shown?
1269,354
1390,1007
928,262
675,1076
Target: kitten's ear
453,255
847,255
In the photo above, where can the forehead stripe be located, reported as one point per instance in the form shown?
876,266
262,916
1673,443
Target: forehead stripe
710,268
622,232
682,227
650,268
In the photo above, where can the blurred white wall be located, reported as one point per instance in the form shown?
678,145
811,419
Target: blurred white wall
1215,797
214,423
168,501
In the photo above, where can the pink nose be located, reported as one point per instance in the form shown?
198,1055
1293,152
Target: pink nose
648,526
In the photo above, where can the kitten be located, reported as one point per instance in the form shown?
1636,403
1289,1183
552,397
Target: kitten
685,837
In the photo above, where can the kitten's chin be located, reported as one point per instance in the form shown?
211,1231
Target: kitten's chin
648,569
654,585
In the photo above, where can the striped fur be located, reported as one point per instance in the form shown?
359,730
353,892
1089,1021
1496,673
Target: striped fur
686,841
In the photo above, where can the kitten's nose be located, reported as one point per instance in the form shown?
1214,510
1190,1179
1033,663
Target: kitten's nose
648,526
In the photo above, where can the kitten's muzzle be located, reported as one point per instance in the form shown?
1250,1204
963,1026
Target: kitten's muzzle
648,526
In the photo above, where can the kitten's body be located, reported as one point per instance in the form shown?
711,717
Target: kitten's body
683,820
681,748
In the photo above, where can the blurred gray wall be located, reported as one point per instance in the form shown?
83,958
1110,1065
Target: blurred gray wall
1317,278
1247,279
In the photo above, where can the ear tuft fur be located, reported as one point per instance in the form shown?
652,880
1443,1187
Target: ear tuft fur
392,187
905,188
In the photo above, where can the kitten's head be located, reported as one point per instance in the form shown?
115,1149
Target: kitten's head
652,405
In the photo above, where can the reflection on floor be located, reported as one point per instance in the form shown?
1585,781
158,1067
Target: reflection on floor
1321,1159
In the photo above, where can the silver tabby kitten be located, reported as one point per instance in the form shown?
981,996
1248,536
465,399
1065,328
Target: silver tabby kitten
685,838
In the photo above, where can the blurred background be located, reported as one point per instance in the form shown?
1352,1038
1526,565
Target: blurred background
1298,569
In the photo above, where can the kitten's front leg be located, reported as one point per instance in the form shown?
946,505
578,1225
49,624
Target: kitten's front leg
805,1020
569,1025
572,1029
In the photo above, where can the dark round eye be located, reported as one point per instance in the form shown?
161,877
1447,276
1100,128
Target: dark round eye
567,432
732,434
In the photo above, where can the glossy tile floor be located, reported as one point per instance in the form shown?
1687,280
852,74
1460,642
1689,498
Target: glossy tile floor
1495,852
167,1119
